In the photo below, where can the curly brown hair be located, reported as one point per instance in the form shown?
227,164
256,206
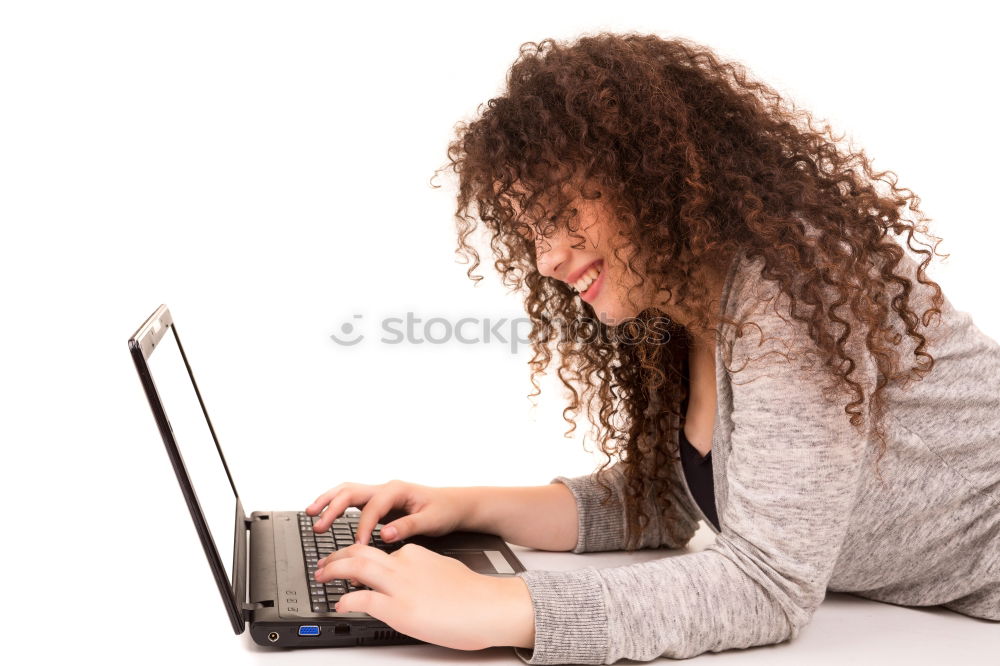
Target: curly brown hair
698,163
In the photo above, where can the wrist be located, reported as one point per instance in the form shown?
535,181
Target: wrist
514,624
472,518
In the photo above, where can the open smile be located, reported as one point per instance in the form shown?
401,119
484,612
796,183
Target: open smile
589,284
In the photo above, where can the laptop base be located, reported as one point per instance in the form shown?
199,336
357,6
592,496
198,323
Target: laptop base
279,614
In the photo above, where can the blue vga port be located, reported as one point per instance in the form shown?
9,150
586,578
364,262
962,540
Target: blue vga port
309,630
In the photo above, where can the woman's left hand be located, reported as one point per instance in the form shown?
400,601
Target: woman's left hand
433,598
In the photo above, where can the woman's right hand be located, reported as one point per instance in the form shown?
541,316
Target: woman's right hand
430,511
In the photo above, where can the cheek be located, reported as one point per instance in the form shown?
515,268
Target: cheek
620,285
626,279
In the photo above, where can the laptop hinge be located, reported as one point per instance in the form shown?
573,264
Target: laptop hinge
246,607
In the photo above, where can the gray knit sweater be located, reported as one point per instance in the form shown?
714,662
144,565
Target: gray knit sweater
801,507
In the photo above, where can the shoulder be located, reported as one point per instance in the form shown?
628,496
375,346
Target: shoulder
757,313
767,331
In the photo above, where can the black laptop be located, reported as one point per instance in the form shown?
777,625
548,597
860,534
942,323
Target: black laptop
268,579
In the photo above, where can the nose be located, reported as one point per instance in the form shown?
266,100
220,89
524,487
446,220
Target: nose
552,259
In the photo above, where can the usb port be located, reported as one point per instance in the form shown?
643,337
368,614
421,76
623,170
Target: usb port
309,630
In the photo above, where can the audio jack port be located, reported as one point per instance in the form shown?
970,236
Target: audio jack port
273,637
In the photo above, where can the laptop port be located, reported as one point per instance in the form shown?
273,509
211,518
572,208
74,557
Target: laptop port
309,630
342,629
273,637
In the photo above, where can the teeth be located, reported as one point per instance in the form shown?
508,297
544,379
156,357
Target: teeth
586,279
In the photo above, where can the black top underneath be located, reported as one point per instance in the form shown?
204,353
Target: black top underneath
698,470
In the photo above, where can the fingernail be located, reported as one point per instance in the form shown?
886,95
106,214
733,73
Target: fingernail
388,532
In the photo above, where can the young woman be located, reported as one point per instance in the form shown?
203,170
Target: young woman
723,290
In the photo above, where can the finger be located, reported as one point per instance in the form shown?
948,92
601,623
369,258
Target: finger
332,511
350,496
323,499
376,604
355,550
369,572
372,512
402,527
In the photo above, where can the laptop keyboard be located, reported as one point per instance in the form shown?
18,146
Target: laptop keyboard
316,546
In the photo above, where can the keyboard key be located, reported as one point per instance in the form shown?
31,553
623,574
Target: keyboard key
341,534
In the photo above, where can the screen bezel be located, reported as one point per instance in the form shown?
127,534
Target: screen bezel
142,344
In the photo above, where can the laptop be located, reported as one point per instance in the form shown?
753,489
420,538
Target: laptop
264,563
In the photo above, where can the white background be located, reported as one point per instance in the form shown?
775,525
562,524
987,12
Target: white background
263,169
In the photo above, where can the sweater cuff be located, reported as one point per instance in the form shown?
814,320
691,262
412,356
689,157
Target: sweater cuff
599,527
571,621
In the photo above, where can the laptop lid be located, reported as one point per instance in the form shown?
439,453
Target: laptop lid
195,454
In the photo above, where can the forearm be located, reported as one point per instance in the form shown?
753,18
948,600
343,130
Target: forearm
540,517
676,607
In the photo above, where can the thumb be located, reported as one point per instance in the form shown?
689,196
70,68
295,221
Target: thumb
399,529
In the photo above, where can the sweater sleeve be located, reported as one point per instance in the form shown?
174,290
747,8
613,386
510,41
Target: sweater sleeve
792,473
601,527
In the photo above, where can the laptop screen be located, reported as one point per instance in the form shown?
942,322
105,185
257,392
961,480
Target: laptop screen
197,447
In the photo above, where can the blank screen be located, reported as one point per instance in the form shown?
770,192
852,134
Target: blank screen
197,447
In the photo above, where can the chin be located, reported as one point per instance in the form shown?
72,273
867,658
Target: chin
611,316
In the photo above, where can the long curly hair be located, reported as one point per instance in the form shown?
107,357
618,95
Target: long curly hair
698,163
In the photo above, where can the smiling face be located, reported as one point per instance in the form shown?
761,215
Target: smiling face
592,259
601,264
